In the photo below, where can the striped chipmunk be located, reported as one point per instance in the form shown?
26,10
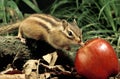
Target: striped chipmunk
58,33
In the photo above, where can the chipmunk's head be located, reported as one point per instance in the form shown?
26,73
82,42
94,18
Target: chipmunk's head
68,34
72,32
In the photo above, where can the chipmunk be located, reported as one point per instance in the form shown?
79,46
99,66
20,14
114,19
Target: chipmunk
58,33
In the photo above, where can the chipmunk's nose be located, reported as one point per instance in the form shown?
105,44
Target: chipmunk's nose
80,43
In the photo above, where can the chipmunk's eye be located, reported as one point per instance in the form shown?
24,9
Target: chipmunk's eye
70,33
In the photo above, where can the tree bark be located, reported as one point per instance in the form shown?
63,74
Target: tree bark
12,49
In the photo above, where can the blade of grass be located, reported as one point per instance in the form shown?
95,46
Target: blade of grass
118,46
33,6
35,2
13,5
2,11
77,4
106,8
117,11
57,4
102,31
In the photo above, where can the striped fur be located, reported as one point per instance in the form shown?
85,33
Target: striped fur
56,32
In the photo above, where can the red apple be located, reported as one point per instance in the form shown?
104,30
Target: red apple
96,60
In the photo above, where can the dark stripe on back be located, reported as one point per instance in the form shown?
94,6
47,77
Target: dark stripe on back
47,19
42,24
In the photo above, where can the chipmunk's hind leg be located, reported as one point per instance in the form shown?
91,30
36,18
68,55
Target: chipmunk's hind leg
20,36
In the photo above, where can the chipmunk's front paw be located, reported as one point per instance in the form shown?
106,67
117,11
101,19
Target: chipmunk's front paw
21,39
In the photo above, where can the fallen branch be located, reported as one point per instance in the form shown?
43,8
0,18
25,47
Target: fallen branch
15,76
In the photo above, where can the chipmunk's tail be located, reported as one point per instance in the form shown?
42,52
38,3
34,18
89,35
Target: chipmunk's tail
9,28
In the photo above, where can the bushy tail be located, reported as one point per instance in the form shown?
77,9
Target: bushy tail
9,28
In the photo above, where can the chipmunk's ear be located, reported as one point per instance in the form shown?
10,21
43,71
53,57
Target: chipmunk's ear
74,21
64,23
